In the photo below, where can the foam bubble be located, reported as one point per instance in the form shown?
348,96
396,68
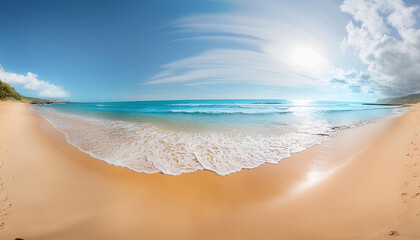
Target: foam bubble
147,148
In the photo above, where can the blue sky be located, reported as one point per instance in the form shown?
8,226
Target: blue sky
151,50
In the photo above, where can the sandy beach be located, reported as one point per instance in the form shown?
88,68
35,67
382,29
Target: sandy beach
362,184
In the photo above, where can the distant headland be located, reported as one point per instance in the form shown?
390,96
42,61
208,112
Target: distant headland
409,99
8,93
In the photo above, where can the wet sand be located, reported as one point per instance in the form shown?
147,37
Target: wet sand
362,184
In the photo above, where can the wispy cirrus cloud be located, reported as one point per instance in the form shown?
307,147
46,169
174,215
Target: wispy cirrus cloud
31,81
264,52
232,66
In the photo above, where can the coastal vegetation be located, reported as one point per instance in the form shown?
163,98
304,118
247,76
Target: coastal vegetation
8,93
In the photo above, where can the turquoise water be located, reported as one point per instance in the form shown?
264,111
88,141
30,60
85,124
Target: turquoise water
223,136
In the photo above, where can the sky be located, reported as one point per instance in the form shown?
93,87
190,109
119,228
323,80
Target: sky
127,50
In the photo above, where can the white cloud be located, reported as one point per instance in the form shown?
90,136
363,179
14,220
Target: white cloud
353,81
31,81
230,66
265,37
385,36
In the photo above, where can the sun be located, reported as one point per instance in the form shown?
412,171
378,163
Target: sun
307,58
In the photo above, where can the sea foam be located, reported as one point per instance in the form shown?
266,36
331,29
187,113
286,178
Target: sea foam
147,148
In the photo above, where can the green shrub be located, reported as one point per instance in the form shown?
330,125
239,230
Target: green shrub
7,92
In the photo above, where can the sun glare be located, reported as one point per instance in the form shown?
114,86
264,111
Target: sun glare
307,57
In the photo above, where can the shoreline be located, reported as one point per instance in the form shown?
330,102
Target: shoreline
187,158
389,118
324,192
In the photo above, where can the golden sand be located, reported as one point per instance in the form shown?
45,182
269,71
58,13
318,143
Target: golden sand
362,184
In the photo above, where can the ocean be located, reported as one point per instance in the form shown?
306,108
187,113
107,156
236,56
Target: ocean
224,136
